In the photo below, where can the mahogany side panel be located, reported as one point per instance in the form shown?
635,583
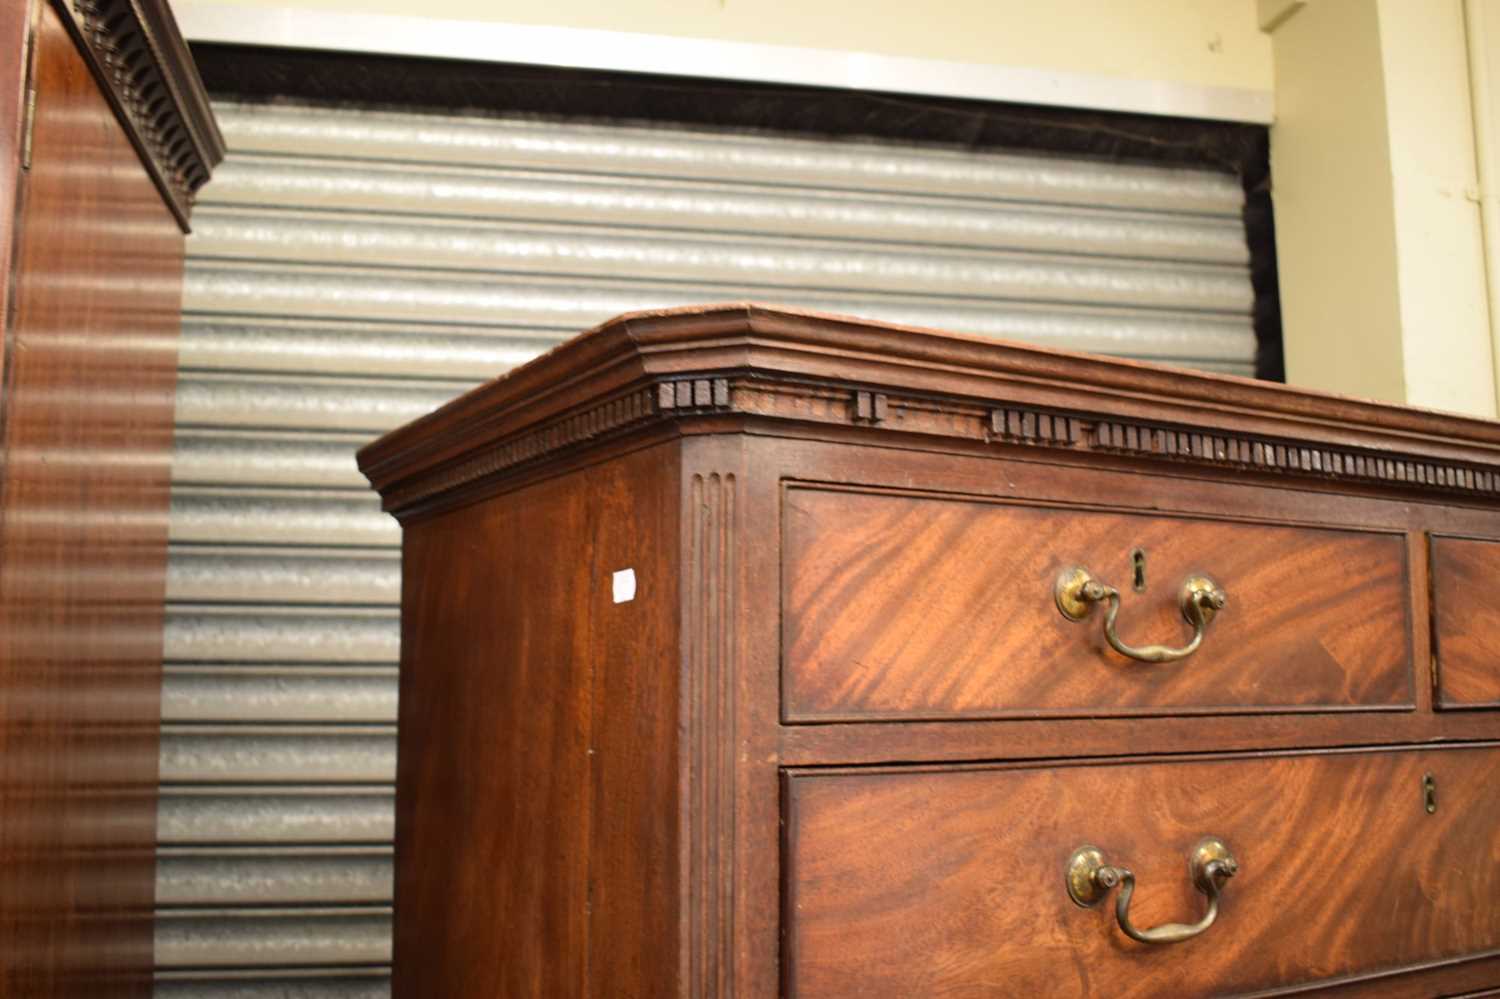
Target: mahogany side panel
1466,622
936,607
86,415
538,767
950,882
639,865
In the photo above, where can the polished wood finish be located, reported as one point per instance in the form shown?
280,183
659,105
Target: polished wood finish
15,72
886,599
553,736
86,412
749,361
145,71
821,750
1466,622
950,882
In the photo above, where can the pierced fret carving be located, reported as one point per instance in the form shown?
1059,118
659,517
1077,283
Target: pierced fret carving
759,396
602,420
1028,426
870,407
1290,458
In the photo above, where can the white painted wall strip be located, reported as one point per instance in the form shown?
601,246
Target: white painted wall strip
586,48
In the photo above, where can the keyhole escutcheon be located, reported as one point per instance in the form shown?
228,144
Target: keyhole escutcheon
1138,570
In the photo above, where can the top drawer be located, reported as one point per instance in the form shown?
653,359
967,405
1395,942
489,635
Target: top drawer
897,606
1466,622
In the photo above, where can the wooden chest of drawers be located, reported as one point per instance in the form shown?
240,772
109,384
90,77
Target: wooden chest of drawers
751,653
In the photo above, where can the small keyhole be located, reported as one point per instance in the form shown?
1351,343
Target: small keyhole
1138,570
1429,793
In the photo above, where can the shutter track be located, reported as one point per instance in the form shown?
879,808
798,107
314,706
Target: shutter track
350,270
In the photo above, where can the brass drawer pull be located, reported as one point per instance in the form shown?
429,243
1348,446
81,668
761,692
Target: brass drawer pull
1089,879
1077,591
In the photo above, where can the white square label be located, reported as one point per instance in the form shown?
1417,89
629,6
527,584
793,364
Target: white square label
624,585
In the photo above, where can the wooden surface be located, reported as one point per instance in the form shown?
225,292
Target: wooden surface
951,882
143,68
15,23
537,817
931,607
1466,621
827,761
790,369
86,420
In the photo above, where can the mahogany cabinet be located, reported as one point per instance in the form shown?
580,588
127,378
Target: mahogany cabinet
756,653
105,134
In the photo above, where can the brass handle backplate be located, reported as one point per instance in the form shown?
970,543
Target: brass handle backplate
1090,878
1077,591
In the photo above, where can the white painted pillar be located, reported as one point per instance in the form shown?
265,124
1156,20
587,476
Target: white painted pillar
1378,231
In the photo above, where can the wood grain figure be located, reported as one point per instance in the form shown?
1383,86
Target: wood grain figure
1466,622
956,885
86,413
922,607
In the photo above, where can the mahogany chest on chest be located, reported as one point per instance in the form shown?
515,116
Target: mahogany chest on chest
753,653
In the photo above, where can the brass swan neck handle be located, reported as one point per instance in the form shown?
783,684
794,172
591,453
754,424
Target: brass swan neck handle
1090,878
1077,591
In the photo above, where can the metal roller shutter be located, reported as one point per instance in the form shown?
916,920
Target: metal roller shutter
350,270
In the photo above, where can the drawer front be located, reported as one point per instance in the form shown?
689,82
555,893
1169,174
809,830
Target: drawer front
952,882
910,607
1466,621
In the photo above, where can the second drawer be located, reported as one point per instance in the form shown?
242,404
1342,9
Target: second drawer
960,881
908,607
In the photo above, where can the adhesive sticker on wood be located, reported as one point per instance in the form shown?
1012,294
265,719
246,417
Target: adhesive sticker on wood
624,585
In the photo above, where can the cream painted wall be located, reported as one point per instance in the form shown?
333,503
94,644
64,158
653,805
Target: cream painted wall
1330,162
1197,42
1482,20
1378,229
1446,345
